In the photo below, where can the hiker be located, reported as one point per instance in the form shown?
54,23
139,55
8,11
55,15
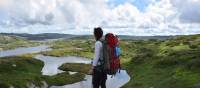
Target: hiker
106,58
99,76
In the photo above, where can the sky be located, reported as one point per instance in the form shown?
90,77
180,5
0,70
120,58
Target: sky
122,17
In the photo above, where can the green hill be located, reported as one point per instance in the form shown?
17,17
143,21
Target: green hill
152,63
47,36
163,64
11,42
40,37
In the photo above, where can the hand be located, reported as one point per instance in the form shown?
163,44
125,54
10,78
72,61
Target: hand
90,72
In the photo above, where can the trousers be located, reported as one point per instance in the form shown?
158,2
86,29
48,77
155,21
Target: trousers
99,78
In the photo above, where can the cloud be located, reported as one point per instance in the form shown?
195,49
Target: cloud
188,9
164,17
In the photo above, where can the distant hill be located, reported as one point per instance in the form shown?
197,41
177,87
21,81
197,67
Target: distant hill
126,37
44,36
8,39
145,37
47,36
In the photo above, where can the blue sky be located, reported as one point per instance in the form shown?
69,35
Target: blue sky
140,4
127,17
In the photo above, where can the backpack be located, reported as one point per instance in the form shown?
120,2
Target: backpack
110,56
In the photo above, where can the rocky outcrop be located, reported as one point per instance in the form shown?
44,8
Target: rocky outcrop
31,85
197,86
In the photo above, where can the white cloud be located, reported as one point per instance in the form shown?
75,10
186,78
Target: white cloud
164,17
189,10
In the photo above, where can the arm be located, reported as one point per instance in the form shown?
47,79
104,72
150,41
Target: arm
97,52
98,46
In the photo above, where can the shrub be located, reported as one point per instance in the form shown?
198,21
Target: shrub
183,58
75,67
166,61
63,79
186,43
142,54
138,58
4,85
193,46
167,52
153,40
172,43
193,64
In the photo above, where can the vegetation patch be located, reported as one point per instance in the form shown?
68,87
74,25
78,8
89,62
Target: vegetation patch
63,79
81,48
11,42
19,71
172,63
76,67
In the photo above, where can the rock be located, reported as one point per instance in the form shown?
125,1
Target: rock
14,65
31,85
11,87
197,85
1,49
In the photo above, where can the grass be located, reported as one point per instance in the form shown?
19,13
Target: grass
18,71
81,48
12,42
170,63
173,63
165,64
76,67
63,79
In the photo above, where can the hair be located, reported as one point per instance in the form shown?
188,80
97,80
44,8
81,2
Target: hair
98,33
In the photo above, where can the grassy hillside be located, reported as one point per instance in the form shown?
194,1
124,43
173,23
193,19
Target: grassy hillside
21,71
164,64
46,36
40,37
11,42
18,71
75,47
172,63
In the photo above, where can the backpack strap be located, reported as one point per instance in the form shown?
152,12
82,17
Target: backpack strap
101,54
119,67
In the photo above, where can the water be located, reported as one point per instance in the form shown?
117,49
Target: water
20,51
51,65
117,81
